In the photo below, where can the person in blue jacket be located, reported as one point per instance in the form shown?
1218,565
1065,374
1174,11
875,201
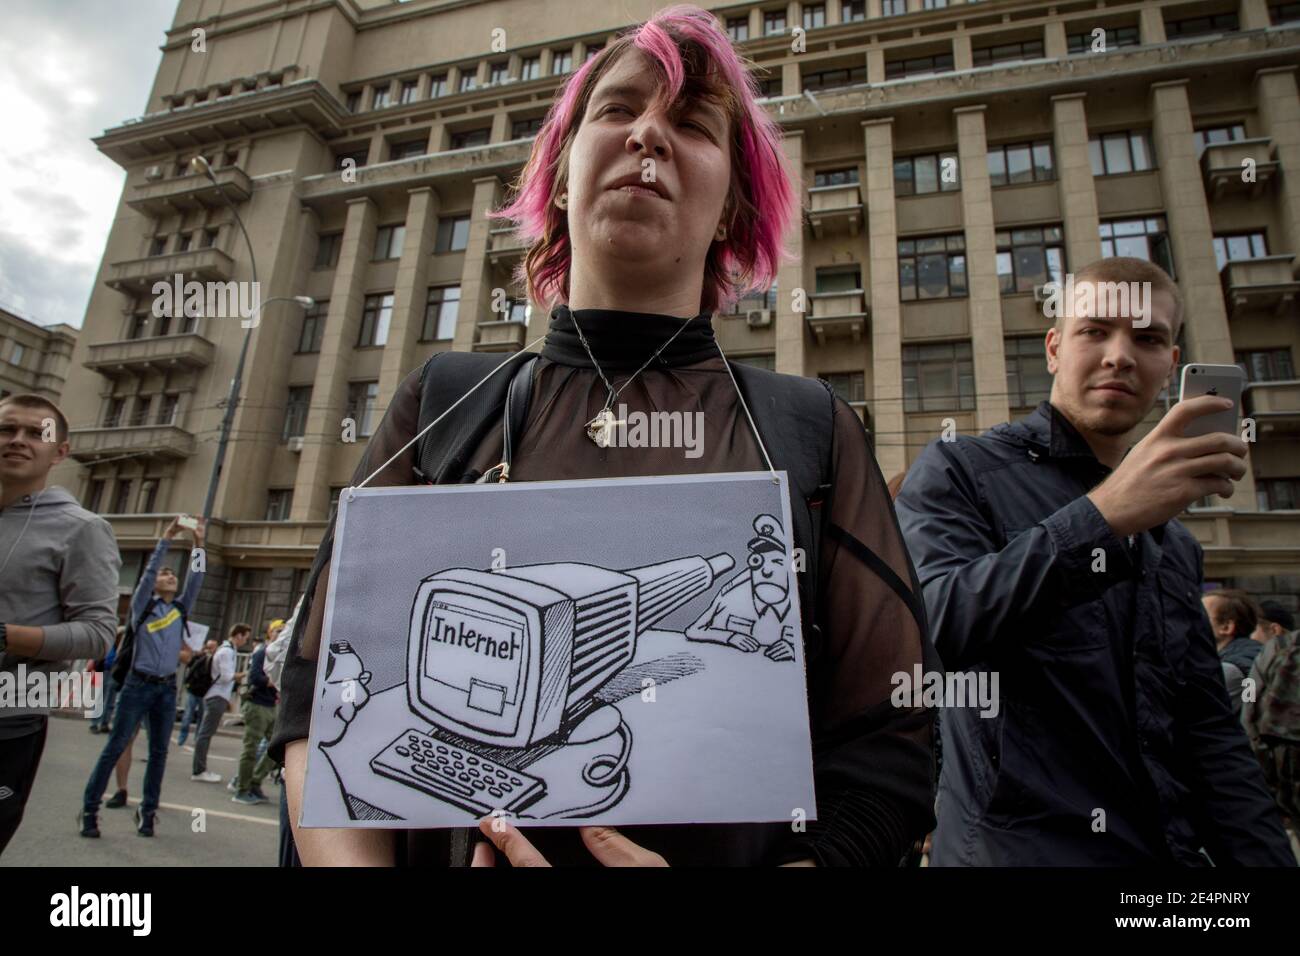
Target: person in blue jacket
1049,554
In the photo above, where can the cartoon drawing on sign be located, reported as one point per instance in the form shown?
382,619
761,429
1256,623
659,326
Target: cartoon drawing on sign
751,610
514,676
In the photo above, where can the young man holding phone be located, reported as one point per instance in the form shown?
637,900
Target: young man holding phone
1049,555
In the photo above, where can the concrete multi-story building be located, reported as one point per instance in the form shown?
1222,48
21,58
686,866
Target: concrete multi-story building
951,157
34,358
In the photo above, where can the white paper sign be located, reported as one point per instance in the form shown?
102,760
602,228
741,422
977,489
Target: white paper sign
622,651
195,635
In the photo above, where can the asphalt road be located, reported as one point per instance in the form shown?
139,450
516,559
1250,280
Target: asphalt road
224,834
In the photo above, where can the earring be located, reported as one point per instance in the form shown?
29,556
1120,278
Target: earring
562,200
720,234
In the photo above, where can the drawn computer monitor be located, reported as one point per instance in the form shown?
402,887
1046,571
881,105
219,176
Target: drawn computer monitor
501,657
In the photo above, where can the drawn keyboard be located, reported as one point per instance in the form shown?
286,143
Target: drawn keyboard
457,776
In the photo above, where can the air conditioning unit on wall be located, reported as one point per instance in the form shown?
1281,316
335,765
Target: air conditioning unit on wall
295,444
758,318
153,173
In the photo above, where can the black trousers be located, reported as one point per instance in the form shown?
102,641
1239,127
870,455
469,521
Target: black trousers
19,758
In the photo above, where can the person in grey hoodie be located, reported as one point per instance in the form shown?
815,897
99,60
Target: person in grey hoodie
59,567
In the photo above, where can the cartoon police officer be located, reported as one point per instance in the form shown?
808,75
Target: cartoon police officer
750,611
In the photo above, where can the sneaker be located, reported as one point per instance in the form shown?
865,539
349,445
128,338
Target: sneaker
116,800
258,795
94,728
144,823
245,798
188,748
89,823
206,776
233,784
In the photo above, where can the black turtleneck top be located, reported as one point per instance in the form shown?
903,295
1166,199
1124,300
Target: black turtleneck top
873,764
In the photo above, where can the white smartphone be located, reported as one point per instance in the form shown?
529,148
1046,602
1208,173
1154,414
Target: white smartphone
188,522
1224,380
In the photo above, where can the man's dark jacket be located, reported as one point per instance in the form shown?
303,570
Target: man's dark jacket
1114,743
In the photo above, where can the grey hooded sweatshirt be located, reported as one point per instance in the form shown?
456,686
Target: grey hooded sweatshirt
59,568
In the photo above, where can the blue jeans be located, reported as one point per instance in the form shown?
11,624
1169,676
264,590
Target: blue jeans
138,701
193,712
110,698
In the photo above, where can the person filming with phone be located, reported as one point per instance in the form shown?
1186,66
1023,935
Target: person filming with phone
1050,555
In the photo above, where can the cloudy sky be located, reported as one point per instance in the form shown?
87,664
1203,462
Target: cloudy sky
69,70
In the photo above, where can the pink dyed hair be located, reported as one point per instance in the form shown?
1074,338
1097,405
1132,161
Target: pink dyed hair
693,56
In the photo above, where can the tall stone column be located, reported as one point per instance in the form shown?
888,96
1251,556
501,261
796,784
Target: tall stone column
886,312
1278,108
409,292
1074,181
988,348
475,284
330,388
791,327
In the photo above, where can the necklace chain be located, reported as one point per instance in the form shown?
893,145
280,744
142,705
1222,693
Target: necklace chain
614,392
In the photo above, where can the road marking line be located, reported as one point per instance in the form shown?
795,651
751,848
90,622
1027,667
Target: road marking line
218,813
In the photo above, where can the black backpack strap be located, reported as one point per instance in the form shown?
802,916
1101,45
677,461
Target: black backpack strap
519,396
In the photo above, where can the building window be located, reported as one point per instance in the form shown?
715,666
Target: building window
934,4
525,128
1201,26
438,85
388,242
498,72
357,156
932,268
139,326
164,326
415,147
839,279
207,238
440,311
157,245
313,328
167,409
938,377
1218,134
530,68
248,596
893,8
850,386
410,89
122,497
362,397
561,62
354,101
853,11
295,412
1029,257
279,503
1266,365
148,496
833,79
918,66
1112,39
468,81
754,299
1021,163
769,87
113,414
814,16
765,360
376,314
335,492
936,172
1125,152
835,177
1278,494
183,242
738,29
1284,12
327,250
773,22
95,494
1028,381
143,403
1247,245
1140,238
453,234
470,138
380,98
1007,52
16,354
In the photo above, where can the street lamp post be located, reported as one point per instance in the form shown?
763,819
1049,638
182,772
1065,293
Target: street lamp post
200,165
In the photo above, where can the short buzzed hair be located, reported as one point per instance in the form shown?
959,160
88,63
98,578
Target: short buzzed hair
1132,269
30,400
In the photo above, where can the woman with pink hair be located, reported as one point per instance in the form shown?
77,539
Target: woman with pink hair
656,194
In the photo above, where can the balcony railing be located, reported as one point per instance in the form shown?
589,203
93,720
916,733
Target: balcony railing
137,276
1241,166
1266,283
1239,543
1275,406
158,354
834,210
838,314
190,192
499,335
504,244
148,441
